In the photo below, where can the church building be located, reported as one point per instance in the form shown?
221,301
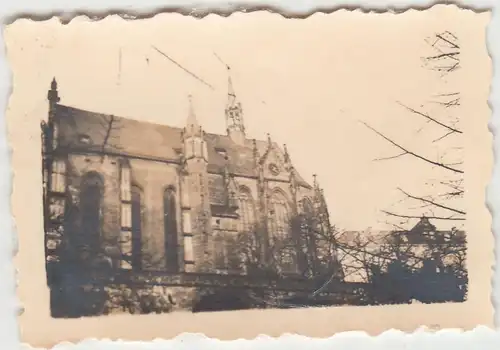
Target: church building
176,199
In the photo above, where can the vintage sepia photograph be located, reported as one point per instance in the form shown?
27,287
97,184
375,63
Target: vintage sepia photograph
214,166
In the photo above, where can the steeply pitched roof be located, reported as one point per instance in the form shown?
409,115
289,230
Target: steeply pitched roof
84,130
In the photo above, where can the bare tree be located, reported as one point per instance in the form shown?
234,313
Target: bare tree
432,268
441,198
421,264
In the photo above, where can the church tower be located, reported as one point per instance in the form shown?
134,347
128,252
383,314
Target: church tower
234,115
196,214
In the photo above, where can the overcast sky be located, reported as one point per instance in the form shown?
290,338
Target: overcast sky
308,83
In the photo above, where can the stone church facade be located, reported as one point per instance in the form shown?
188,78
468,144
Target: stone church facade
179,200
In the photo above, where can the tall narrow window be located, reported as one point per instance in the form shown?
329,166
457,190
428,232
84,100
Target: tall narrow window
308,236
282,244
197,147
136,211
307,206
125,182
189,148
170,228
278,216
188,249
185,192
128,221
55,135
91,193
246,210
204,150
308,220
220,256
58,176
234,258
125,196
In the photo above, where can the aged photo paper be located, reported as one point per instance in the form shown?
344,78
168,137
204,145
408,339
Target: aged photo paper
251,174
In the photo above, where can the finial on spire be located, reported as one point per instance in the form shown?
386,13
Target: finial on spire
191,114
53,95
192,126
230,88
234,114
315,180
287,156
269,138
255,152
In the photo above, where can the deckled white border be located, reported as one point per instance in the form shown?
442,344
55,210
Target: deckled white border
480,338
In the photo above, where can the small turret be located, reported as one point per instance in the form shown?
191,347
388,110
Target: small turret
53,95
193,136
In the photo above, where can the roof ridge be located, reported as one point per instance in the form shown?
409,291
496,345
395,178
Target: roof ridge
158,140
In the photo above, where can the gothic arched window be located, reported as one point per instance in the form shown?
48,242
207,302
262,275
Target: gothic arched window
170,229
91,192
307,215
307,206
136,204
246,210
282,244
58,183
308,235
279,218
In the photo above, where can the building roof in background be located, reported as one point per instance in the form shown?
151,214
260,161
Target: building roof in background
421,233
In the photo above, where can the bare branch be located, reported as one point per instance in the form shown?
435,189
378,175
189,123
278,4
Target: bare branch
445,55
393,157
441,36
442,137
432,202
108,133
431,119
448,94
444,166
419,217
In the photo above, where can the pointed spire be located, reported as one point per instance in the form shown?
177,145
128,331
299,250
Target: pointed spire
191,121
230,88
255,152
53,84
287,156
318,191
269,139
234,114
192,126
293,180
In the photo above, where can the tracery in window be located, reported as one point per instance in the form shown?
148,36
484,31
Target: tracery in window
58,176
227,253
307,206
170,230
246,210
220,256
307,215
279,220
136,220
91,193
125,186
55,135
282,245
